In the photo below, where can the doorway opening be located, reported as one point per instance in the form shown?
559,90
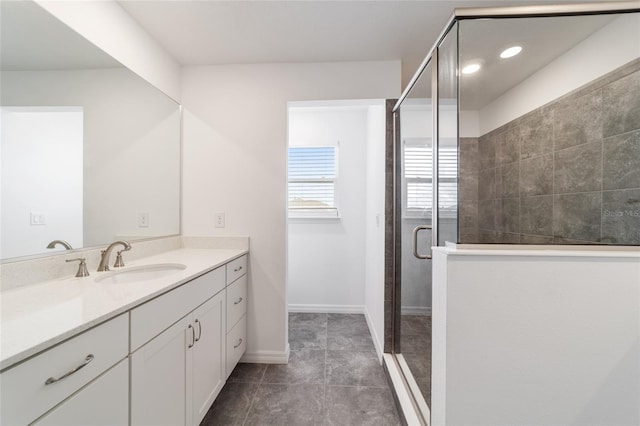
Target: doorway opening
336,202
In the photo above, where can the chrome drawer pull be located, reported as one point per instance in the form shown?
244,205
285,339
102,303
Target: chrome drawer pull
237,301
87,360
238,345
239,268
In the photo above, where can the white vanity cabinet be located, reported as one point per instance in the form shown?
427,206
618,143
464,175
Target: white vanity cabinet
40,383
176,376
158,362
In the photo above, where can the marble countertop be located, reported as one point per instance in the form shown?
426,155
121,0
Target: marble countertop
36,317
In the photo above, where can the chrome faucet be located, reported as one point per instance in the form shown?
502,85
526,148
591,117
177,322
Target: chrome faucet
104,260
63,243
82,267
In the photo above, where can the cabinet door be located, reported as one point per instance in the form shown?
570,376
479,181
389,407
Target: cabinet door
103,402
208,355
159,378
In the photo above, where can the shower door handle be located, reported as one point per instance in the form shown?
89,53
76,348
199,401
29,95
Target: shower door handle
416,230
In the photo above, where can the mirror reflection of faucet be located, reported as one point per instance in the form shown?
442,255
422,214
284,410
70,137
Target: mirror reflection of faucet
104,260
63,243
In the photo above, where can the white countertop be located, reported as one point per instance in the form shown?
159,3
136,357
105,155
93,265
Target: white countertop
539,250
36,317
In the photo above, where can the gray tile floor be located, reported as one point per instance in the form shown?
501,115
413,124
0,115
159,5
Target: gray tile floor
333,378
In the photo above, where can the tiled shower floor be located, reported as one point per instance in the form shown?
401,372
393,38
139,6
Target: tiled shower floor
333,378
415,344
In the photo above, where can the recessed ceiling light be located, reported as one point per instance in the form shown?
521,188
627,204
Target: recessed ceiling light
470,69
510,52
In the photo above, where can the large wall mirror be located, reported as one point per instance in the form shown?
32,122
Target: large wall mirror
90,152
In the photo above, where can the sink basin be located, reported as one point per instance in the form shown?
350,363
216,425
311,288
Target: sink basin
141,273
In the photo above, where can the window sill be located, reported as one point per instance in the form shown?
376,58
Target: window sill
314,215
300,220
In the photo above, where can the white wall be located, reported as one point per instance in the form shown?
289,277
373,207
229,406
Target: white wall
327,256
607,49
41,175
131,146
374,221
108,26
235,150
532,337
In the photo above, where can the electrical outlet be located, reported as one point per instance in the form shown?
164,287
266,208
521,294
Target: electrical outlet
219,220
143,220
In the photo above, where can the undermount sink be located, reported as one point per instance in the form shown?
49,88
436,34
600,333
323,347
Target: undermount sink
141,273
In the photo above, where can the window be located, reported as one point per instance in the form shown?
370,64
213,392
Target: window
418,178
312,181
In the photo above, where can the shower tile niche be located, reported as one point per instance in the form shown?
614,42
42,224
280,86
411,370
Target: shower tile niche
565,173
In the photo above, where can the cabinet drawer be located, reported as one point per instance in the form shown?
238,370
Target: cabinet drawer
104,402
236,344
155,316
236,269
236,301
25,396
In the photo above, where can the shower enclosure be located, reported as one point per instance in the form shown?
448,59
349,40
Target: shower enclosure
521,126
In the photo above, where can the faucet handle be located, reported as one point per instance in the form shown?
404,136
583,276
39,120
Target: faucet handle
119,262
82,267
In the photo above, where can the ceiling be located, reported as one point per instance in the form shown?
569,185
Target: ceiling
31,39
240,32
208,32
542,40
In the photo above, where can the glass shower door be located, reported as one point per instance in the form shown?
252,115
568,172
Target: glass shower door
426,208
414,220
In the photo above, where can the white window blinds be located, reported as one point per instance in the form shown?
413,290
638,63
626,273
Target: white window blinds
418,178
312,181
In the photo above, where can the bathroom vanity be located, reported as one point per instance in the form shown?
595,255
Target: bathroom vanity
143,351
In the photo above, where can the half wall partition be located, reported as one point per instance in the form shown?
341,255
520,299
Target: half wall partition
522,126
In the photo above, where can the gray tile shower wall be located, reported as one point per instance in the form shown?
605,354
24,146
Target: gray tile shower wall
468,191
565,173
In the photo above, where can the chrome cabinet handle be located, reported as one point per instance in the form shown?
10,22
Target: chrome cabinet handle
199,330
239,268
237,301
193,337
87,360
239,343
415,242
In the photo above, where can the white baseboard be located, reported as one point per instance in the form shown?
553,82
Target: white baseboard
377,343
415,310
266,357
327,309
